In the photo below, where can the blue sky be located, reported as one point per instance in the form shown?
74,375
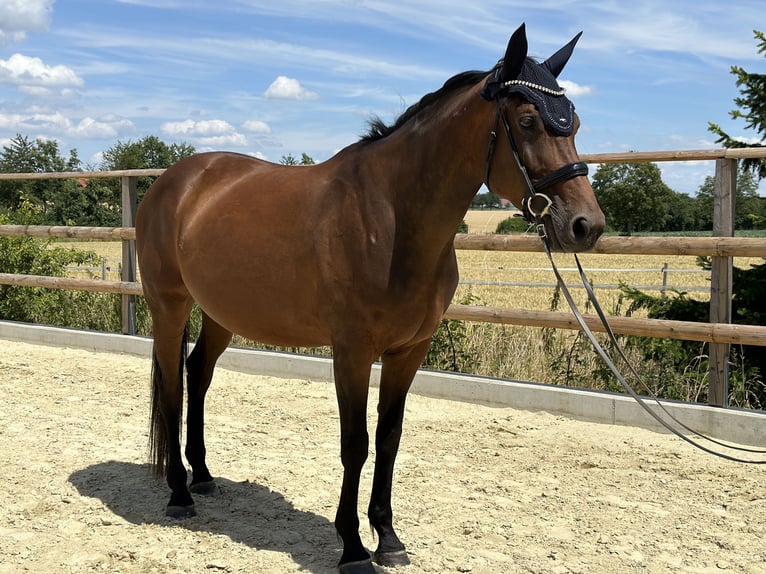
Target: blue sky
278,77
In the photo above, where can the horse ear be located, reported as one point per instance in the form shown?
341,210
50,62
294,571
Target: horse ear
557,62
515,55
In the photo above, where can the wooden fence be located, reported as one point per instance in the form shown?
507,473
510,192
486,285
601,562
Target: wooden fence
722,247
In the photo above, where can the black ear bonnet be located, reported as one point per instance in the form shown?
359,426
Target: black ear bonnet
535,82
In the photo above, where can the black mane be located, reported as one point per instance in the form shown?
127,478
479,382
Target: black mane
378,128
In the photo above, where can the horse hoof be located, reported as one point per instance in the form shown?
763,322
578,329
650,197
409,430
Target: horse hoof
207,488
359,567
180,512
392,559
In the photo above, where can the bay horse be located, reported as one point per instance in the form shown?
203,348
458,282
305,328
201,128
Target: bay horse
355,252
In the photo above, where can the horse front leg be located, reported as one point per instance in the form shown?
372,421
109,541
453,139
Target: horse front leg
398,370
352,379
212,341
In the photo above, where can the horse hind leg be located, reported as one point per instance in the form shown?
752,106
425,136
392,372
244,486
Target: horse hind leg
212,341
168,357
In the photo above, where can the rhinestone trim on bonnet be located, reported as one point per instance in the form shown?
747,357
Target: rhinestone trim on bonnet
537,87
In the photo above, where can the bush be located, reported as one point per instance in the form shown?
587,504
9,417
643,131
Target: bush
512,225
748,363
32,256
449,349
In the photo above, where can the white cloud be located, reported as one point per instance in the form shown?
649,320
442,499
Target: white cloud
107,127
576,90
19,16
256,127
750,140
213,133
220,142
97,158
29,72
48,93
201,128
284,88
56,124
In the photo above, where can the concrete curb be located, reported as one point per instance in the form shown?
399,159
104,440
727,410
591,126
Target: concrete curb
733,425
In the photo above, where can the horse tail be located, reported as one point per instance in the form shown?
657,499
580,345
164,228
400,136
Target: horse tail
158,430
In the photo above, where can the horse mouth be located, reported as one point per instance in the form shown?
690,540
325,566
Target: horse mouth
573,234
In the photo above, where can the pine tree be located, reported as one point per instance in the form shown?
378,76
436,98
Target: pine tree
751,108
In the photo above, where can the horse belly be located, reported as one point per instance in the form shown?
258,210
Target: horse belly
266,294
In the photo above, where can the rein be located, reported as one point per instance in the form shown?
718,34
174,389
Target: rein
535,206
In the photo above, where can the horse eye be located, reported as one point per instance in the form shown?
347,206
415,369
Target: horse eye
527,122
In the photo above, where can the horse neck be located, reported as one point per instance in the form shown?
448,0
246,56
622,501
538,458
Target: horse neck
436,164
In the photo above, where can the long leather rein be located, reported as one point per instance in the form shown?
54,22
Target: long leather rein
535,206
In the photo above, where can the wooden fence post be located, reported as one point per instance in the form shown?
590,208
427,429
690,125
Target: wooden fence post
721,285
129,265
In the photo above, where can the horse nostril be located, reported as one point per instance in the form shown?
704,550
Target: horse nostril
581,228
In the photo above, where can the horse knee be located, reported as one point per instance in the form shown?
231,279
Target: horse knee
354,449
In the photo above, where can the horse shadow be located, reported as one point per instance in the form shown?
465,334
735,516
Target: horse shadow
246,512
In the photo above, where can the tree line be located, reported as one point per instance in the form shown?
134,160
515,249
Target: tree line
95,202
81,201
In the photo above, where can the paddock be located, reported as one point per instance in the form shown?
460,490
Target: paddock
480,489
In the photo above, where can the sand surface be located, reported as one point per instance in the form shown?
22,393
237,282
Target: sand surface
477,489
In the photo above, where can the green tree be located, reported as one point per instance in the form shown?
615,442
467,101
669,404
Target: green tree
290,159
751,107
682,214
749,207
485,201
149,152
22,155
633,196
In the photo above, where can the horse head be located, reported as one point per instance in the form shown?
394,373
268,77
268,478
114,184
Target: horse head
540,171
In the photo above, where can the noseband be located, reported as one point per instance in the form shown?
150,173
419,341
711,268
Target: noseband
535,205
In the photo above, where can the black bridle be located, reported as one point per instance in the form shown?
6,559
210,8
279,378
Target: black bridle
535,206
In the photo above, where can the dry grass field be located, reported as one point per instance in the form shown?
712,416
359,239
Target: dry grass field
485,220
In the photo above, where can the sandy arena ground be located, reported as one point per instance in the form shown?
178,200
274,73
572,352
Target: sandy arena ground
478,489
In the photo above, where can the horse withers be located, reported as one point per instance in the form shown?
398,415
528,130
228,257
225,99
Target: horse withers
355,252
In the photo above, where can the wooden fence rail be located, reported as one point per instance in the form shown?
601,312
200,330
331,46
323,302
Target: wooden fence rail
64,232
76,284
659,328
722,247
612,245
712,246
